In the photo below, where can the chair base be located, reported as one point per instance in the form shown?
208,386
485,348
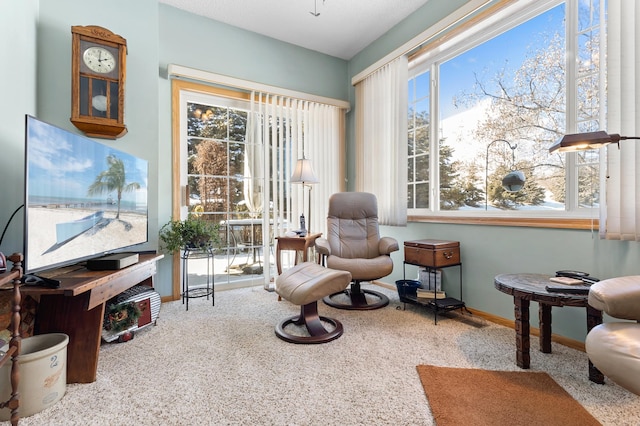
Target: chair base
313,322
357,298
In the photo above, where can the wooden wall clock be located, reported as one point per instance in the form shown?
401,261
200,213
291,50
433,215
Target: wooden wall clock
98,66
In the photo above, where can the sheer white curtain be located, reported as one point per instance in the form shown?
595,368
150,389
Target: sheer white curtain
324,146
381,139
287,129
621,220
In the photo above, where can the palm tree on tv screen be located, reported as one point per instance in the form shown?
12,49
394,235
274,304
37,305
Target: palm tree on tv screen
113,179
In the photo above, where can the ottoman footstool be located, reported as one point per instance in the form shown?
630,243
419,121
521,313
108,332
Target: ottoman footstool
304,285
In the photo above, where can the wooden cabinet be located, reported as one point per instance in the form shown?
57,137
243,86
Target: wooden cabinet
12,278
77,308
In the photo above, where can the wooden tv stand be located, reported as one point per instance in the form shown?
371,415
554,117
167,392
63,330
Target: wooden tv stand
77,308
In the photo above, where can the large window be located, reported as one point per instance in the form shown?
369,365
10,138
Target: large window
494,99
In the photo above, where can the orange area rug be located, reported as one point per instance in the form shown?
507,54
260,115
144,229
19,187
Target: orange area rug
459,396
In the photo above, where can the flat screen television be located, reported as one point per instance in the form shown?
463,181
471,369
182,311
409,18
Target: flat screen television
83,198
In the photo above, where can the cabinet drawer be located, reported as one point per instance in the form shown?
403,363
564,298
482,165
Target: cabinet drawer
432,253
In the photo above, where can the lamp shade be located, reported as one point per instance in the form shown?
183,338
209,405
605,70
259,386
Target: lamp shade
303,172
582,141
513,181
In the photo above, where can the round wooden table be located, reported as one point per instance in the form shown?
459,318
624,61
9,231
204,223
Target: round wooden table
531,287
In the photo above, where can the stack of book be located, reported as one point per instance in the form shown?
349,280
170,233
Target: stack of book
429,294
566,280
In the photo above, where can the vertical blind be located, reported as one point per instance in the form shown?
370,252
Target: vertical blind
289,129
622,220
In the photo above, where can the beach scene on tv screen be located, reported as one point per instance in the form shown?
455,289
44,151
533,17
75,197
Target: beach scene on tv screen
84,198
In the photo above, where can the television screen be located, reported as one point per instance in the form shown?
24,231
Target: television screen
83,198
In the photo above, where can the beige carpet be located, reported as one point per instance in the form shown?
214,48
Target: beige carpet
460,396
223,365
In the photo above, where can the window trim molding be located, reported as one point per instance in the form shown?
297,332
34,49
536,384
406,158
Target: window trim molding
528,222
181,72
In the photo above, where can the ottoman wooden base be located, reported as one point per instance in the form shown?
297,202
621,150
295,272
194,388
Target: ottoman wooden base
313,322
304,285
355,299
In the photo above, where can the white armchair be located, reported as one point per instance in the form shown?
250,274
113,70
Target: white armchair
614,347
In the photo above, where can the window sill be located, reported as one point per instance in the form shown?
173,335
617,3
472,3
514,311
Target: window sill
530,222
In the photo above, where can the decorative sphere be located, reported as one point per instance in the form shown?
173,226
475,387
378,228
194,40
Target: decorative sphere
513,181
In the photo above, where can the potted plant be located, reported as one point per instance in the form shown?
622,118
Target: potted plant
191,233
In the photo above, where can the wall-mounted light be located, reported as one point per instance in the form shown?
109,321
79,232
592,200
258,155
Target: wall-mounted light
588,140
512,182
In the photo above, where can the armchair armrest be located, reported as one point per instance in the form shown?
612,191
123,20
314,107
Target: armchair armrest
618,297
322,247
387,245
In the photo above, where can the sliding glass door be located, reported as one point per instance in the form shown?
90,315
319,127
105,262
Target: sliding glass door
222,173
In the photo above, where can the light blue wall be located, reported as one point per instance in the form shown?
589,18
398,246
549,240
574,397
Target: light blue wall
201,43
491,250
18,34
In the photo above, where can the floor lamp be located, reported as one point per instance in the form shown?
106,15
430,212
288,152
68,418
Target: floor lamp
304,175
588,140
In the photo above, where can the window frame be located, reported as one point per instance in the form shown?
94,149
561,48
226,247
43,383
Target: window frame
502,18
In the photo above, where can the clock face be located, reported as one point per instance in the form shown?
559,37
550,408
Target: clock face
99,59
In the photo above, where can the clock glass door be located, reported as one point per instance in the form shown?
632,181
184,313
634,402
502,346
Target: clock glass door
114,90
99,99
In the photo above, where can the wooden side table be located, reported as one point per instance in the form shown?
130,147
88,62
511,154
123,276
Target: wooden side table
297,244
532,287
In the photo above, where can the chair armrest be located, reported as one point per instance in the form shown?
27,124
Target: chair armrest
618,297
322,247
387,245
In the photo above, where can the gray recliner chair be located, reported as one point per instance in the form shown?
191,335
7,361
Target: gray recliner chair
353,244
614,347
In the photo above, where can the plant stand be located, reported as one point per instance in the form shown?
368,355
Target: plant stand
189,292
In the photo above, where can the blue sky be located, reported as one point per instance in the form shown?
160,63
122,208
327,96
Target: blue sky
63,164
506,51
